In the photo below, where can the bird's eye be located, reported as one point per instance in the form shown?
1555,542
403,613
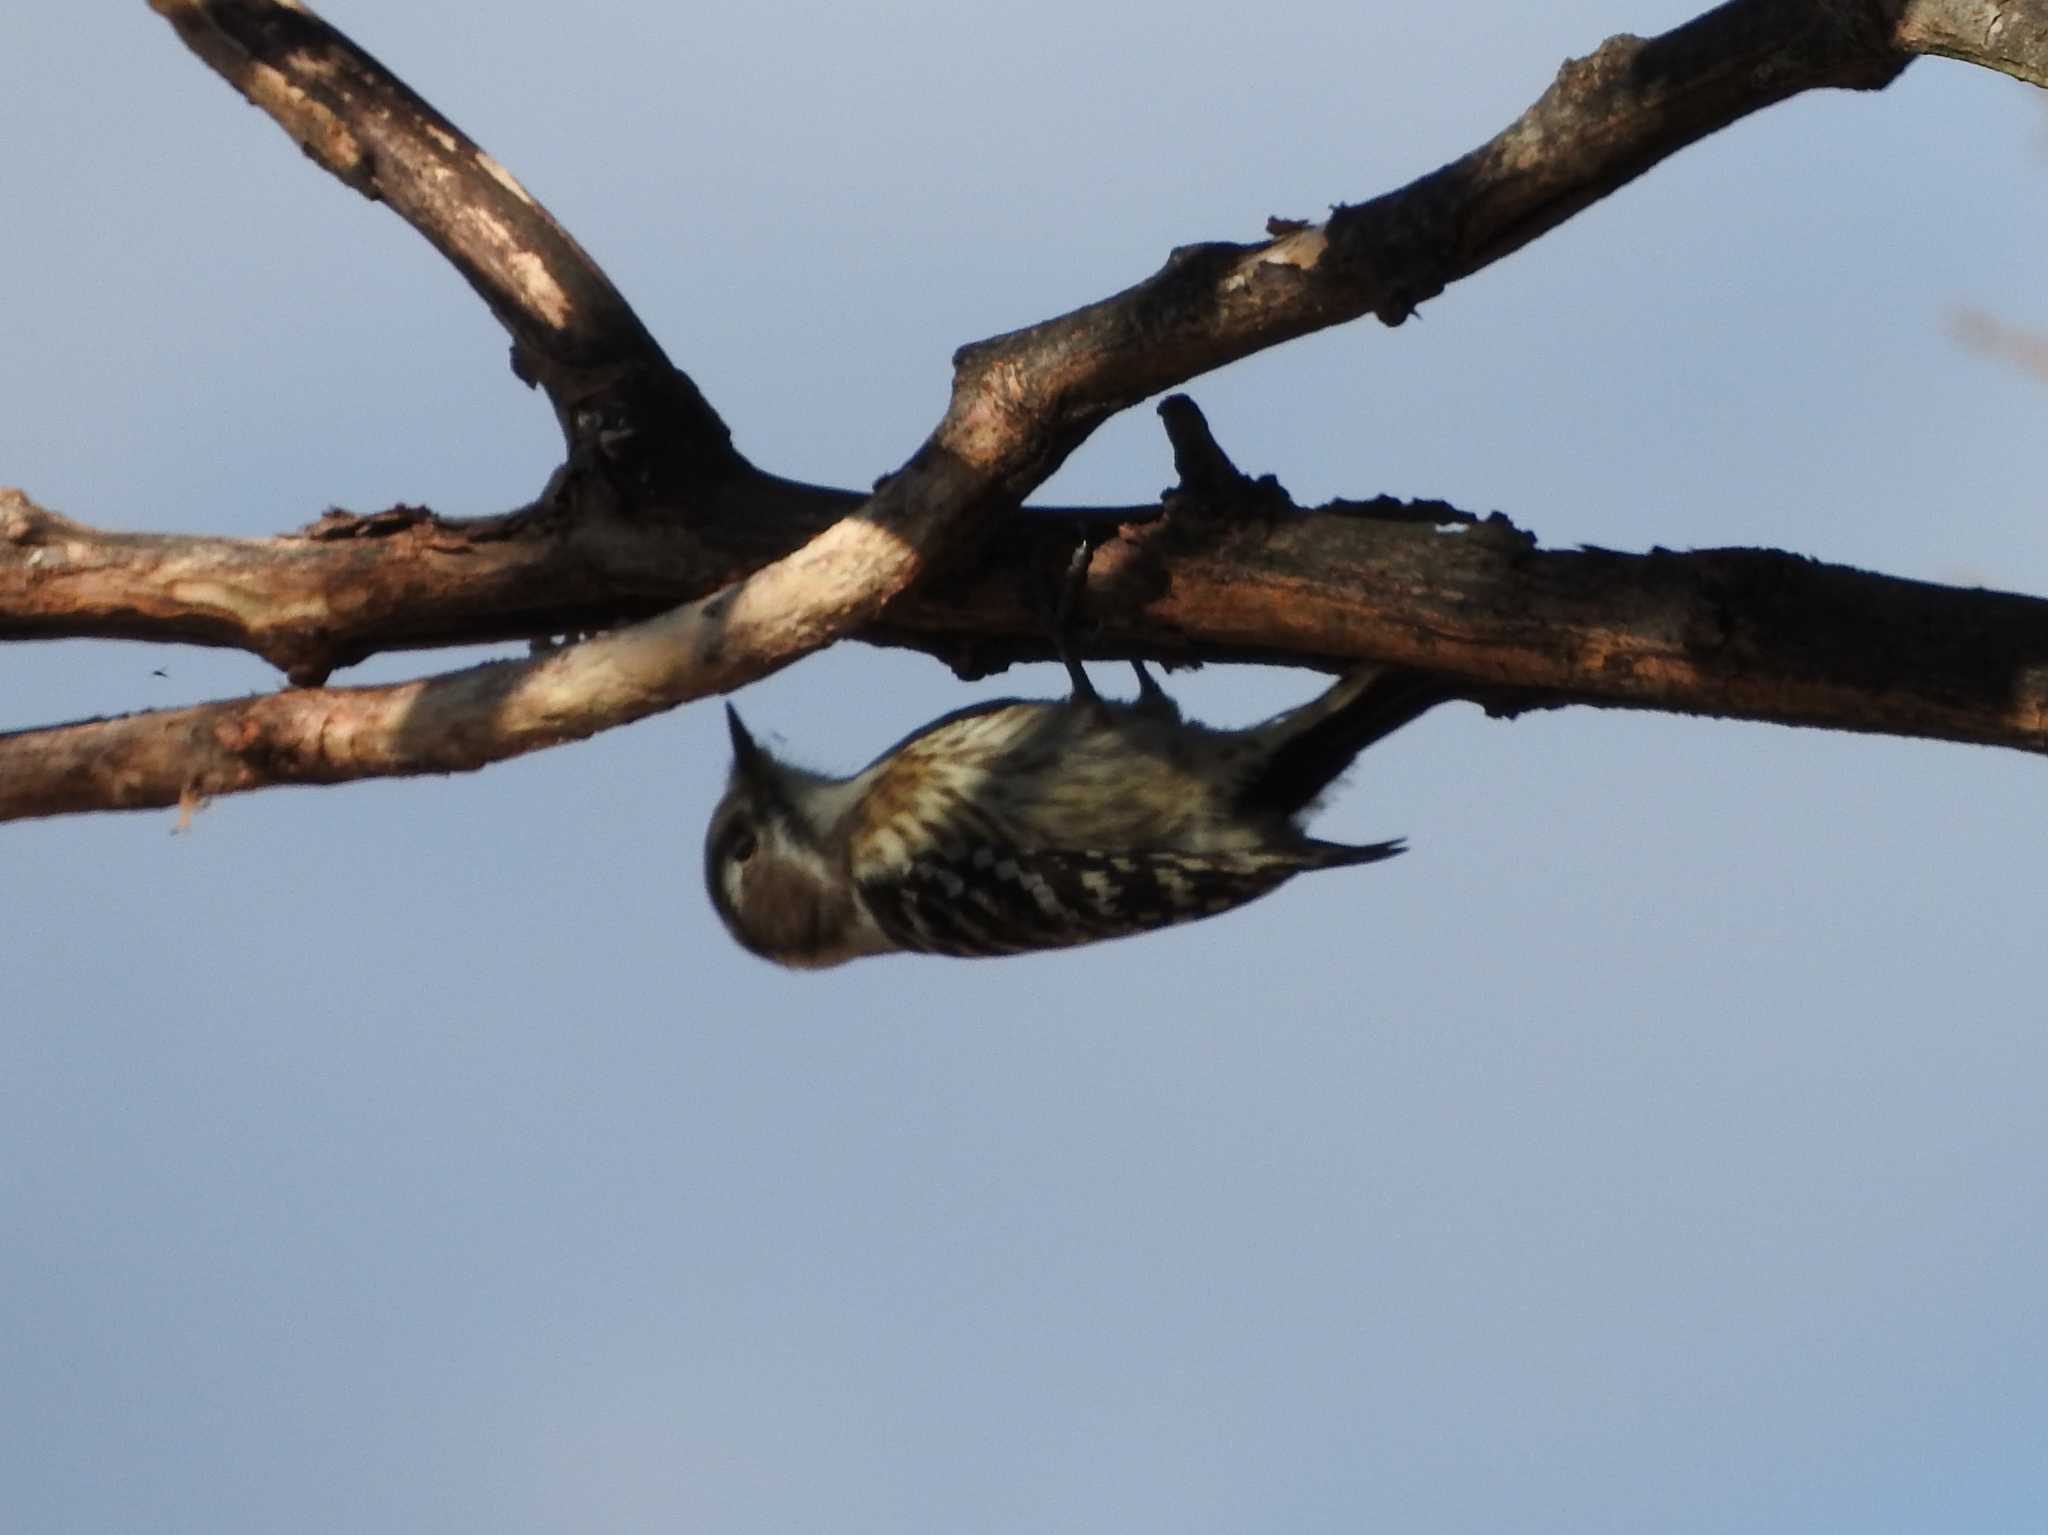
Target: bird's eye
744,844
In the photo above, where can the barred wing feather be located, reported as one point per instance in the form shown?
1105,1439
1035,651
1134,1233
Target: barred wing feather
1000,900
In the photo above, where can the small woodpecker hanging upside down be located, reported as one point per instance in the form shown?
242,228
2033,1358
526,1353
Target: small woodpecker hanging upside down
1019,825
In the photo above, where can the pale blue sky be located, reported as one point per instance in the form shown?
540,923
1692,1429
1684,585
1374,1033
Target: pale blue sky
1660,1145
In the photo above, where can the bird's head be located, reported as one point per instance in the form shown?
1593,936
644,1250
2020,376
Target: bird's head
775,861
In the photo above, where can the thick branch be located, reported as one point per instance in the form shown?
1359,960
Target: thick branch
348,587
1750,633
2011,38
1022,402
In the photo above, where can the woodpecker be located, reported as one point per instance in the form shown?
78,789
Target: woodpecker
1019,825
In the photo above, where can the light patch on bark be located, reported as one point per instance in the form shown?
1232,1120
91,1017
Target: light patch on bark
503,177
542,292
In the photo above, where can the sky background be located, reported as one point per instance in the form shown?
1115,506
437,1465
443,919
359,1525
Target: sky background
1661,1145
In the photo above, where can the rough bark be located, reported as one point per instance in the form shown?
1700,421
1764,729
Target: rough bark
720,572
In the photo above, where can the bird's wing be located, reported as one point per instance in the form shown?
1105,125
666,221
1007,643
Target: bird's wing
1003,900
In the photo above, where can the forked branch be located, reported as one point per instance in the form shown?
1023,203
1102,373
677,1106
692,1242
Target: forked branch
799,567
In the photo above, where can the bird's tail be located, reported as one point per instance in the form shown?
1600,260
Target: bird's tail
1320,739
1344,855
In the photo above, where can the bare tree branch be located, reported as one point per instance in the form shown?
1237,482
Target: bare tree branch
574,334
2010,38
1750,633
1021,403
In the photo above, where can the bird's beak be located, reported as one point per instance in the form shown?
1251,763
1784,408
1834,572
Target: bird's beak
747,758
